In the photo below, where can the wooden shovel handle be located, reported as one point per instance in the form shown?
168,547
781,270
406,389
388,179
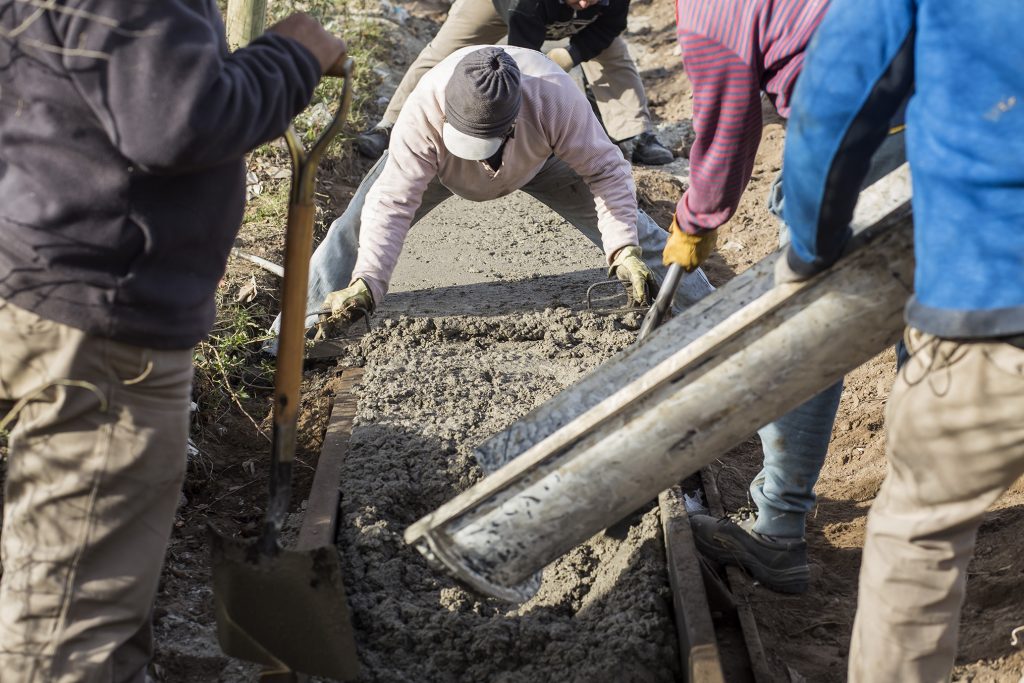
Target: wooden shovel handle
291,346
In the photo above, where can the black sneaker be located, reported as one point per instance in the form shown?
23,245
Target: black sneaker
374,142
649,151
779,564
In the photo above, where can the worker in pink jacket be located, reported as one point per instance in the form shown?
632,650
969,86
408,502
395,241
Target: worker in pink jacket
483,123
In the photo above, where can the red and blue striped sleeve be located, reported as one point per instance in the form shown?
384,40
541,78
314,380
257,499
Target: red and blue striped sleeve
732,51
727,123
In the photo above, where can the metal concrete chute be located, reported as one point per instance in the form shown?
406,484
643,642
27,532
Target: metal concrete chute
702,383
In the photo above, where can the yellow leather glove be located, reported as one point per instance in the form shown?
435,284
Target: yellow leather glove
689,251
629,267
562,58
345,305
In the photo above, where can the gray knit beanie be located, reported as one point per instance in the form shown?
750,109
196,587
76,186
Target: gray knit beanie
482,97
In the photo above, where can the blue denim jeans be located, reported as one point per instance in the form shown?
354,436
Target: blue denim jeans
796,444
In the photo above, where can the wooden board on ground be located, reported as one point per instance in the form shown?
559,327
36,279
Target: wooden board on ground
698,647
320,521
742,588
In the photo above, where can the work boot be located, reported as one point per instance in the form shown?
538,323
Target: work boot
648,150
778,563
374,142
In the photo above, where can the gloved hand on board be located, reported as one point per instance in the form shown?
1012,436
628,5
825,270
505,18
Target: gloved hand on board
345,306
562,58
630,268
689,251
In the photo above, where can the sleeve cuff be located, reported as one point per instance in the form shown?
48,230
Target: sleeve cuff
577,58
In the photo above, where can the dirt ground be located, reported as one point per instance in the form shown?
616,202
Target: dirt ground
484,323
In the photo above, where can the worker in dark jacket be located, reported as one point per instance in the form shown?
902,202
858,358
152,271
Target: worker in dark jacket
589,35
123,127
955,418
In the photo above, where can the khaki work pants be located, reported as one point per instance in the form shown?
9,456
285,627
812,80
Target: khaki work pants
955,424
612,75
97,458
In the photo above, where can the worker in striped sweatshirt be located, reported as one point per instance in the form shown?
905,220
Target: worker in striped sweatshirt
733,51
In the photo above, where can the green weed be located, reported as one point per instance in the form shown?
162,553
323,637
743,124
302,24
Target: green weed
231,373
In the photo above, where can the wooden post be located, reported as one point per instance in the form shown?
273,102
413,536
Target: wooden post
246,20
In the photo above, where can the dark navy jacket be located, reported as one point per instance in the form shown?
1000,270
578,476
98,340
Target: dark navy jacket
590,31
123,125
963,62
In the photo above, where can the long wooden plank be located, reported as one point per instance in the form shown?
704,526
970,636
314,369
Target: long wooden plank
742,588
698,647
320,521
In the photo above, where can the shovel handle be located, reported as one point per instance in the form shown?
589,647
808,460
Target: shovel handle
297,251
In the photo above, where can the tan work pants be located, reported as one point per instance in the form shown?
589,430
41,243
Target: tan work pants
97,458
955,423
612,75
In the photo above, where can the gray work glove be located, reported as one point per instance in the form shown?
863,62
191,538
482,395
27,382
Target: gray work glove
345,306
630,268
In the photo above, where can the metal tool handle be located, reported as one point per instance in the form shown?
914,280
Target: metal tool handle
657,313
298,248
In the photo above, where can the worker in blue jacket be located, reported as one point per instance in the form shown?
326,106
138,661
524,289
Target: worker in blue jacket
955,419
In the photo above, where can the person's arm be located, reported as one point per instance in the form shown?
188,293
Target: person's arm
858,70
525,20
577,138
160,80
727,123
394,199
595,38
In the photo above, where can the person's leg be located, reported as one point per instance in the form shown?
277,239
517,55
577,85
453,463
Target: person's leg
97,457
770,544
469,22
955,443
330,267
796,444
795,447
618,91
564,191
622,103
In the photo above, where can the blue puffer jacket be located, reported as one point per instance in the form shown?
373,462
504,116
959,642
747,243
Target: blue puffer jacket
964,62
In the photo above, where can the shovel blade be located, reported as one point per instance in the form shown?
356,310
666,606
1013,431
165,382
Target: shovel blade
286,610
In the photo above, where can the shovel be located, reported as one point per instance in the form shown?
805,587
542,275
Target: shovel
286,609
